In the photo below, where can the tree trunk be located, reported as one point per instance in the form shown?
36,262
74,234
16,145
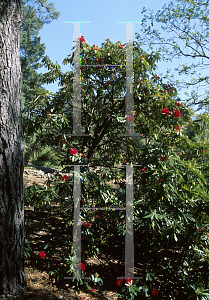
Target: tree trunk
30,151
12,274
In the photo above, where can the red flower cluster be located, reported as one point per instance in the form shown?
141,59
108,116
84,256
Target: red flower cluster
166,91
154,293
95,48
65,177
203,151
144,170
97,216
41,254
119,282
158,180
98,60
178,104
165,111
56,139
131,118
86,225
176,127
156,77
128,280
176,114
81,266
73,151
163,158
121,46
66,142
140,81
82,40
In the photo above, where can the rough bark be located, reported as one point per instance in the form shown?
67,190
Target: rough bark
12,274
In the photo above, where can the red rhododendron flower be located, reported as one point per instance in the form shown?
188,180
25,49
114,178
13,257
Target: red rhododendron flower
199,229
119,282
154,293
165,111
144,170
41,254
178,104
82,40
73,151
81,266
203,151
93,290
140,81
171,145
97,216
176,114
176,127
128,280
158,180
131,118
86,224
65,177
94,47
66,142
163,158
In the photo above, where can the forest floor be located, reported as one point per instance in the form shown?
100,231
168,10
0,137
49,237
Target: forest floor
38,283
40,288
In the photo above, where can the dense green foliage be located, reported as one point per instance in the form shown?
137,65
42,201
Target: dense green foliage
170,182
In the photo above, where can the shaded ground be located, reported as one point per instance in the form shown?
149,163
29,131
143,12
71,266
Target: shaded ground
39,285
40,288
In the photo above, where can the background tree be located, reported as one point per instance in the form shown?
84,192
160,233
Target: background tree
36,14
184,35
12,274
31,53
31,49
44,10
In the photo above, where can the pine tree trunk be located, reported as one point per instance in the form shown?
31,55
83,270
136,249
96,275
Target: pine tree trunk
12,274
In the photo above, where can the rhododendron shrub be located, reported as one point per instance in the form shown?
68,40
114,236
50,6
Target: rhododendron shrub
170,187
